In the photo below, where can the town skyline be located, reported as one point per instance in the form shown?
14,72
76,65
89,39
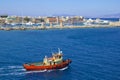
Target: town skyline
91,8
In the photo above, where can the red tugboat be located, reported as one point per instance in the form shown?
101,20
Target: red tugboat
54,62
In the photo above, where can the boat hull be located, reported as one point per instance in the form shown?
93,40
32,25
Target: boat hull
47,67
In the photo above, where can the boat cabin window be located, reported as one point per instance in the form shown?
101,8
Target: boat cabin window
59,56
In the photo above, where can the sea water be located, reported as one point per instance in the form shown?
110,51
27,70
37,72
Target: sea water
95,53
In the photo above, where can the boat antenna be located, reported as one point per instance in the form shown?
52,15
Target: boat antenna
59,51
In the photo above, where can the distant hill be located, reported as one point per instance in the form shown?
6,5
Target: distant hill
112,16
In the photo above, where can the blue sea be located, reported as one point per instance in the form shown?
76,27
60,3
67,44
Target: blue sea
95,53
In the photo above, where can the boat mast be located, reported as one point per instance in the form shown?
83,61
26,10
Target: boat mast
59,51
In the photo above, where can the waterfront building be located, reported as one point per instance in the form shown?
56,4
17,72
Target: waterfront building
67,17
51,20
2,21
57,19
51,25
61,24
114,23
63,18
43,25
13,20
38,20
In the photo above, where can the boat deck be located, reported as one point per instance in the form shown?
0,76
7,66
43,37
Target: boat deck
36,63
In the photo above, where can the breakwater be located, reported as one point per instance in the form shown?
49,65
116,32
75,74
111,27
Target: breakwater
55,27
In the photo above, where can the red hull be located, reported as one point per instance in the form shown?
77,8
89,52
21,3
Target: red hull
47,67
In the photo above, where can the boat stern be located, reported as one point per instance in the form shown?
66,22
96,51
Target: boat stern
69,61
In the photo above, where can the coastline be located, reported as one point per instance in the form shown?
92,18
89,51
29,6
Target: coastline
55,27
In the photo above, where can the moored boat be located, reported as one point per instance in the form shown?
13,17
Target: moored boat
51,63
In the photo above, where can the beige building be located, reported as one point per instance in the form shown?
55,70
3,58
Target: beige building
114,23
51,20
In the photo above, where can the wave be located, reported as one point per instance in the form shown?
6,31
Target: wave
2,68
36,71
19,70
63,68
12,67
11,70
46,70
8,68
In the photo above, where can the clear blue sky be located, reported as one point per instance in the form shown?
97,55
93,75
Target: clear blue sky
50,7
